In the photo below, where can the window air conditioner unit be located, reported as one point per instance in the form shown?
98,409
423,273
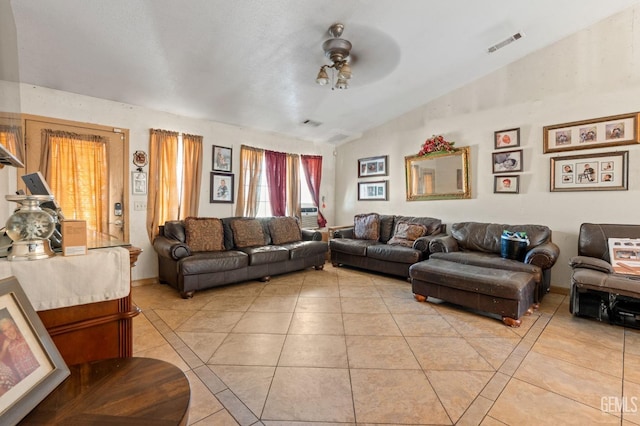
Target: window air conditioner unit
309,217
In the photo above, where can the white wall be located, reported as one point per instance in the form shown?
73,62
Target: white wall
69,106
591,74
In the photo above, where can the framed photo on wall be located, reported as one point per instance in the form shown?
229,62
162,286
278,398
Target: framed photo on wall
507,161
139,183
372,166
509,138
40,368
221,189
373,190
506,184
614,130
606,171
221,159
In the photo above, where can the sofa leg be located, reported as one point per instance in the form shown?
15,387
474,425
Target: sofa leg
511,322
535,306
335,264
420,298
265,279
319,267
187,294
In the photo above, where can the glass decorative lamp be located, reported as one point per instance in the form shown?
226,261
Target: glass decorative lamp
30,228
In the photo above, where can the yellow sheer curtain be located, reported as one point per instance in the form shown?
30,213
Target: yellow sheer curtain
293,185
75,167
250,174
11,138
191,175
164,197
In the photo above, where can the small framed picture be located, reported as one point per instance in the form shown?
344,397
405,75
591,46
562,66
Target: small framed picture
221,159
373,190
139,183
372,166
221,190
509,138
506,184
507,161
32,367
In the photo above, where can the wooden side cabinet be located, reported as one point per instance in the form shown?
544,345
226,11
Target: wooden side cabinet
94,331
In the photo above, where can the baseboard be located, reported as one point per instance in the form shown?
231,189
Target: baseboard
144,281
559,290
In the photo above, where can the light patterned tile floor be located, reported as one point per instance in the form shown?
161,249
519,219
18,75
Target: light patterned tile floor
346,347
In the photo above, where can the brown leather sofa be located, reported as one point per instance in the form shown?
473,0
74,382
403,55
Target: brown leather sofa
391,243
200,253
466,268
598,290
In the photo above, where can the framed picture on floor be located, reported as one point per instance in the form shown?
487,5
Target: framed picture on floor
221,189
33,367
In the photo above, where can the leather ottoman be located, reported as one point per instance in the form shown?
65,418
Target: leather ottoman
509,294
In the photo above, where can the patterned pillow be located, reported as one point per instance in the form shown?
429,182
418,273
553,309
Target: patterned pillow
247,233
366,226
284,230
406,233
204,234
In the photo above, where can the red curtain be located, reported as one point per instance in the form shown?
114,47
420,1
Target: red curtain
276,163
312,166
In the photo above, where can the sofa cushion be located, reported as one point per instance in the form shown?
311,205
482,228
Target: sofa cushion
433,225
209,261
349,246
302,249
204,234
386,227
247,233
262,255
366,226
486,237
284,230
406,233
391,253
174,230
489,260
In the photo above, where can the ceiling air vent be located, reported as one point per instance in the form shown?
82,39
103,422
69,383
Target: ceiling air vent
503,43
311,123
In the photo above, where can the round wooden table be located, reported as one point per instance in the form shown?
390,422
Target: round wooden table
118,391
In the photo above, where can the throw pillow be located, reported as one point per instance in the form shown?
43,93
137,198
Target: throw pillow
204,234
247,233
366,226
406,233
284,230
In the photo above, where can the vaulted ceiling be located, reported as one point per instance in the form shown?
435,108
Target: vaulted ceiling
253,63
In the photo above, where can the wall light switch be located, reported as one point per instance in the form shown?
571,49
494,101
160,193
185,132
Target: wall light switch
139,206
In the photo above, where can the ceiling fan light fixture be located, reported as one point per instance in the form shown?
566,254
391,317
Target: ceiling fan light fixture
342,84
337,50
323,77
345,71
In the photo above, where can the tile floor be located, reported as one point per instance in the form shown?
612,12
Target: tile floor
341,346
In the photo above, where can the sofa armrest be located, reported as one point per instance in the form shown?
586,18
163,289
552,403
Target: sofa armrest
591,263
171,249
443,244
422,243
545,255
311,235
343,233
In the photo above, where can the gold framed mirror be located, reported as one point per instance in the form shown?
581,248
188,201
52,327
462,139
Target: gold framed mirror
440,176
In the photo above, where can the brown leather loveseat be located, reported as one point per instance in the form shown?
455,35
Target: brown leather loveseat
200,253
384,243
466,268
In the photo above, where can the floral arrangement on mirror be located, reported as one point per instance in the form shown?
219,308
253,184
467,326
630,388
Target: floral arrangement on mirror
436,144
